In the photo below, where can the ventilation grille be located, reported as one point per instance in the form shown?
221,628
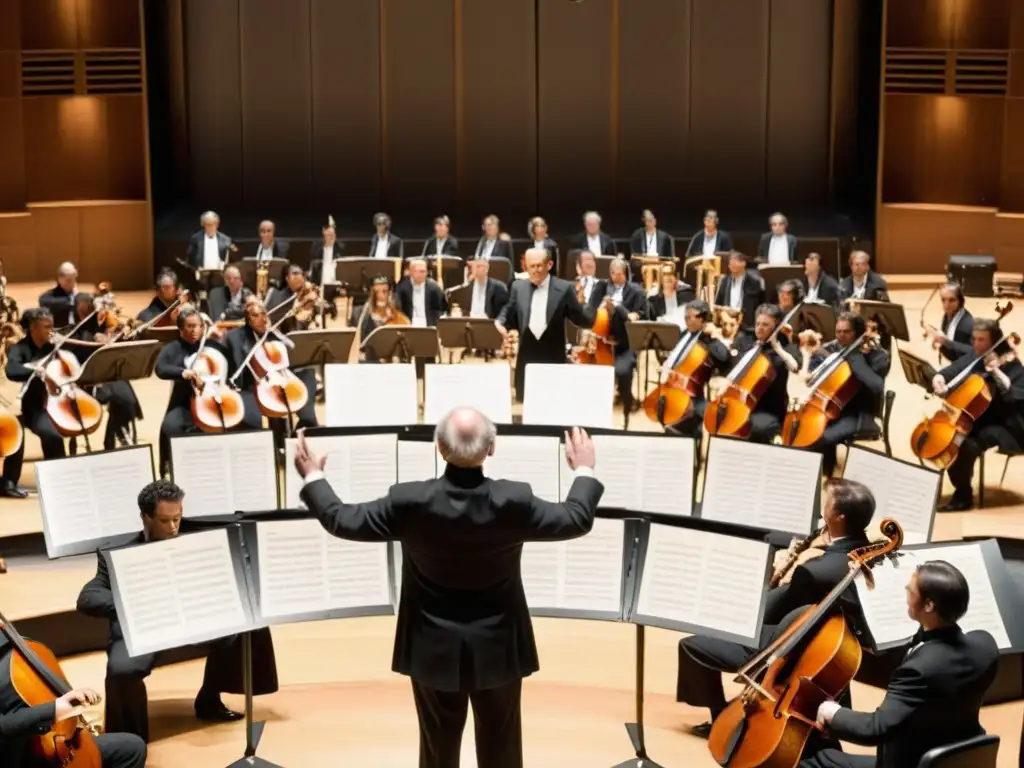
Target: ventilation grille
88,72
915,71
951,73
48,73
982,73
113,71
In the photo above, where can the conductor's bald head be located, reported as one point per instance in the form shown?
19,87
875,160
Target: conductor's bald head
465,437
538,264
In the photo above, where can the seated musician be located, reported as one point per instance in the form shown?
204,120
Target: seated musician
127,709
819,287
711,239
934,697
791,293
742,289
673,295
442,243
625,301
166,295
227,302
957,324
420,297
863,282
294,285
270,246
37,344
239,342
384,244
777,246
586,271
869,366
1001,424
491,245
59,301
488,295
379,309
537,230
592,238
848,509
651,241
208,248
727,321
322,256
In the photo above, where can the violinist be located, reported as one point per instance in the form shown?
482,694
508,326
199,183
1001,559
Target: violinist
166,295
741,289
791,293
586,272
848,510
60,300
239,343
294,283
673,294
819,287
37,344
957,324
227,302
625,302
380,309
488,295
934,697
863,282
1002,423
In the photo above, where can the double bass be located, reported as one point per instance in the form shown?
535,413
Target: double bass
215,406
812,661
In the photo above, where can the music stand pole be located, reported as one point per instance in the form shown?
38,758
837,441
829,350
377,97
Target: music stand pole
636,730
253,731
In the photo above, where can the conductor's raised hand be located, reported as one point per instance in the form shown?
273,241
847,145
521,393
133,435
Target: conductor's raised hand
307,462
579,449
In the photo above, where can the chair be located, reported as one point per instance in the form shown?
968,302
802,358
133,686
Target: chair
979,752
1002,478
882,432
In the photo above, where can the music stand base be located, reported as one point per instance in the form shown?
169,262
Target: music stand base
636,736
259,762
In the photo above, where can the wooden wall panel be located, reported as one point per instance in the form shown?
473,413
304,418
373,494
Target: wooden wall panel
983,24
498,131
345,90
575,103
1009,242
728,101
1011,196
10,30
108,24
17,247
1017,26
47,24
845,93
125,147
276,104
419,105
654,105
917,239
214,102
10,75
12,156
112,245
921,23
798,118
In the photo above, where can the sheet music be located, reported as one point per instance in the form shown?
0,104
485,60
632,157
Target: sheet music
92,497
359,467
303,569
902,491
569,395
885,606
226,473
583,574
488,388
765,486
178,592
704,579
528,459
417,460
388,395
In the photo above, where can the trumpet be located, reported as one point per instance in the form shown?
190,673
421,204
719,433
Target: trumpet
800,551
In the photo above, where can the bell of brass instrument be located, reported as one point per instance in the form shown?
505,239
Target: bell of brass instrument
800,551
262,279
708,271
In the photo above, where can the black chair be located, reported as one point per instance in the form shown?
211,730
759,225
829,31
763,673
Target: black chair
979,752
879,432
981,472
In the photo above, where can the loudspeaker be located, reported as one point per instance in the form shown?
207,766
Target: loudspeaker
975,274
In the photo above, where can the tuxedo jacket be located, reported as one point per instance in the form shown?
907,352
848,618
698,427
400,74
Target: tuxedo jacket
753,295
869,370
633,300
316,259
665,244
502,249
579,242
828,289
395,246
463,621
765,244
450,247
278,250
723,245
196,249
435,304
219,302
1006,409
875,288
61,305
932,699
656,303
495,297
960,345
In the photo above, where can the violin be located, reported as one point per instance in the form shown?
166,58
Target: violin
108,314
812,661
215,406
37,679
672,400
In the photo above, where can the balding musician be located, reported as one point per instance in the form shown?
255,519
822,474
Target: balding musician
270,247
60,300
464,633
208,248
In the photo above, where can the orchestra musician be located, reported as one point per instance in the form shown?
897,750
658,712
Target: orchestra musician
489,296
742,288
957,324
442,243
270,246
819,287
592,238
777,246
1002,423
37,344
728,322
166,295
651,241
863,282
420,297
847,512
537,231
791,293
464,633
625,302
380,309
208,248
384,244
294,285
239,343
227,302
491,245
127,709
322,256
538,308
60,300
934,696
586,272
711,239
673,294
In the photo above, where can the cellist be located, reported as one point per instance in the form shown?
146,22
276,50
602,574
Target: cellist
625,301
1002,423
37,344
239,343
166,295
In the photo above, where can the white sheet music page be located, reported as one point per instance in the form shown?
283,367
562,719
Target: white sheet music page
226,473
569,395
359,467
885,606
643,474
91,497
682,579
178,592
765,486
417,460
387,395
488,388
902,491
527,459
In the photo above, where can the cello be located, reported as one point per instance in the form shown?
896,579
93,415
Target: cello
37,679
215,406
813,660
596,350
672,399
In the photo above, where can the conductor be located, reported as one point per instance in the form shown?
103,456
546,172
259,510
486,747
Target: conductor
464,634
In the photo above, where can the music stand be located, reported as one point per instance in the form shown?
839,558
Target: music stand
357,272
636,730
651,336
451,268
165,334
249,265
320,347
462,297
124,361
468,333
890,317
604,265
253,730
403,341
818,317
773,274
917,370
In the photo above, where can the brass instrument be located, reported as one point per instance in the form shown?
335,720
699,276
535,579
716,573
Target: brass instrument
800,551
262,279
651,268
709,270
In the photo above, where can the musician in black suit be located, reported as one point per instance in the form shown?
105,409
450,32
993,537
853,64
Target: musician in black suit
384,244
442,243
227,302
1002,423
537,230
847,511
538,308
127,711
673,294
651,241
777,246
209,248
270,246
957,324
711,239
934,696
464,634
625,302
863,282
60,300
419,297
327,251
742,288
819,287
592,238
491,244
166,295
486,296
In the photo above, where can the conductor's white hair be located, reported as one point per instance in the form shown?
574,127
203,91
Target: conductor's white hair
207,217
465,437
592,216
67,268
779,218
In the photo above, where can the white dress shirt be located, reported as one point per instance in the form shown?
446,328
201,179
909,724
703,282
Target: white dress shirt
265,252
778,250
710,245
440,246
594,244
487,249
670,303
812,290
736,293
316,474
328,264
588,286
651,238
615,293
951,328
419,305
538,322
211,252
858,290
539,244
479,305
381,251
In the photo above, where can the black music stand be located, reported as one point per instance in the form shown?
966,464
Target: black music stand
451,268
468,333
461,297
402,341
917,370
651,336
773,274
500,269
636,730
320,347
890,317
357,272
818,317
253,730
165,334
124,361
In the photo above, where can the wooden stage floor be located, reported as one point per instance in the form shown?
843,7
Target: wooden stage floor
339,702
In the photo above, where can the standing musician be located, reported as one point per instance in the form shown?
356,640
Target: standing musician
673,295
60,300
819,287
322,256
625,302
208,248
1002,423
957,324
166,295
869,366
711,239
442,243
813,570
777,246
592,238
651,241
464,634
491,245
37,344
934,696
227,302
489,296
538,308
239,343
127,708
863,282
742,289
383,244
537,230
